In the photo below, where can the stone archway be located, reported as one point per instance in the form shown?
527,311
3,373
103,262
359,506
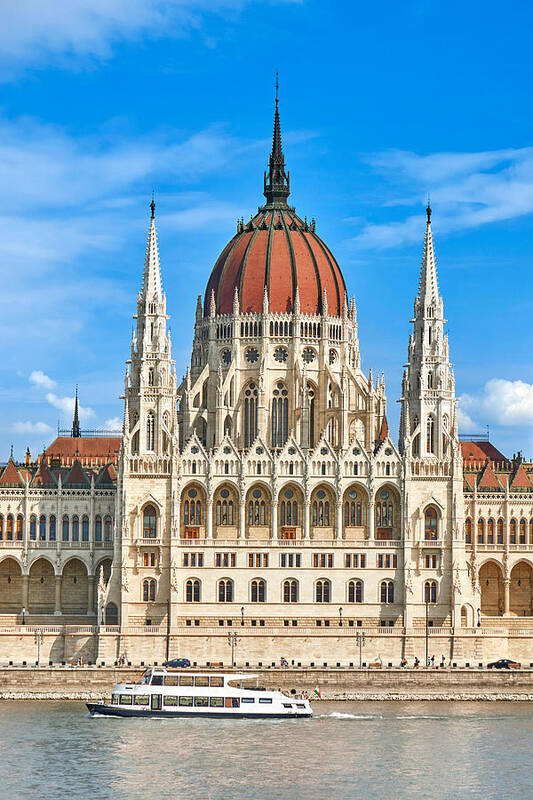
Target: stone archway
42,588
74,587
10,586
491,585
520,589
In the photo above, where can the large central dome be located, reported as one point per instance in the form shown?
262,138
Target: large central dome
278,251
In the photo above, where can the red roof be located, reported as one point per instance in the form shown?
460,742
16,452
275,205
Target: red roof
43,476
488,479
281,252
480,451
521,479
88,449
11,475
76,476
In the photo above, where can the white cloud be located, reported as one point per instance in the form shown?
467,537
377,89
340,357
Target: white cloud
38,378
66,405
468,190
465,422
113,424
31,427
502,402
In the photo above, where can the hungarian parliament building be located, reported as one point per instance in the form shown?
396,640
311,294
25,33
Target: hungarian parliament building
260,498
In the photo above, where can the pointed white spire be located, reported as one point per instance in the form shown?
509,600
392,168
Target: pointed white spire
265,301
236,301
325,303
297,301
151,288
212,304
428,288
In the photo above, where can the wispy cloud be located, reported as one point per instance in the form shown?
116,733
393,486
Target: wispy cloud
113,424
66,405
468,190
38,378
31,427
502,402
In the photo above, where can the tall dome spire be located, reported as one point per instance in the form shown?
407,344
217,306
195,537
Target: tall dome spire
428,288
276,183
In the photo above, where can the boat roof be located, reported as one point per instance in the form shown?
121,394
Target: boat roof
234,676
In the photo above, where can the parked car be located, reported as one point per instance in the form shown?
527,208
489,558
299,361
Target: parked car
504,663
177,662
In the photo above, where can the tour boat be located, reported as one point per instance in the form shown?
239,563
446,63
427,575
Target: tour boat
164,693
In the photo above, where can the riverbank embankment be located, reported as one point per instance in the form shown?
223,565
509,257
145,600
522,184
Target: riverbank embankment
82,683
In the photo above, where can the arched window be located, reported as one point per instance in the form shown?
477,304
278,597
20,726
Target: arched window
321,510
75,528
430,443
10,527
512,532
481,531
430,592
108,529
386,592
224,511
52,528
149,522
192,591
33,527
468,531
430,524
192,509
85,529
149,590
531,531
250,414
257,591
311,404
290,591
150,377
98,529
522,535
20,525
355,592
490,531
65,531
225,591
499,531
322,591
280,415
42,528
257,509
289,512
150,432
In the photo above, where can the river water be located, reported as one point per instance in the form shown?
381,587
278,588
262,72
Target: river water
440,750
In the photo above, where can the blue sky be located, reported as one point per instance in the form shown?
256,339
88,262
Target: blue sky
101,100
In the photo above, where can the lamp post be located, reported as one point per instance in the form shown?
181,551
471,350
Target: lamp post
427,630
360,639
340,617
23,616
232,641
38,639
242,615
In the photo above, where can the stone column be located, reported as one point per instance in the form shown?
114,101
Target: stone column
338,531
371,513
242,519
274,519
57,609
25,591
307,509
506,596
209,521
90,594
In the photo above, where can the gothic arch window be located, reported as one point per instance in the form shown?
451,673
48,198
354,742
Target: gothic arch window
250,414
430,592
85,529
65,534
225,591
290,591
430,435
10,526
481,531
289,511
430,380
257,512
149,590
322,591
332,432
108,529
258,591
311,406
386,592
149,522
150,431
33,527
499,531
150,377
355,591
20,523
224,512
522,534
512,532
468,531
430,523
75,528
227,427
490,531
280,415
321,510
352,514
52,528
98,529
192,591
42,528
192,508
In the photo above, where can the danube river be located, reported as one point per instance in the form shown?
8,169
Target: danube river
52,750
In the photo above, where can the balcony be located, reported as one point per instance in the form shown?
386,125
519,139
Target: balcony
145,542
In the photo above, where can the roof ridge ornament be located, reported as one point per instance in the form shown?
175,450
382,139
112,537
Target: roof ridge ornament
276,183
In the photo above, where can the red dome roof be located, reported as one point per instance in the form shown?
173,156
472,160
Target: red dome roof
279,251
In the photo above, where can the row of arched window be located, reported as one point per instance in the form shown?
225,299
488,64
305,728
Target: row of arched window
45,528
492,531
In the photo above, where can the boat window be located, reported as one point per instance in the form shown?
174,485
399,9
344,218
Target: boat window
171,680
287,705
157,680
232,702
216,680
185,701
201,680
141,700
201,701
114,699
300,705
247,700
185,680
217,702
265,699
125,699
170,700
